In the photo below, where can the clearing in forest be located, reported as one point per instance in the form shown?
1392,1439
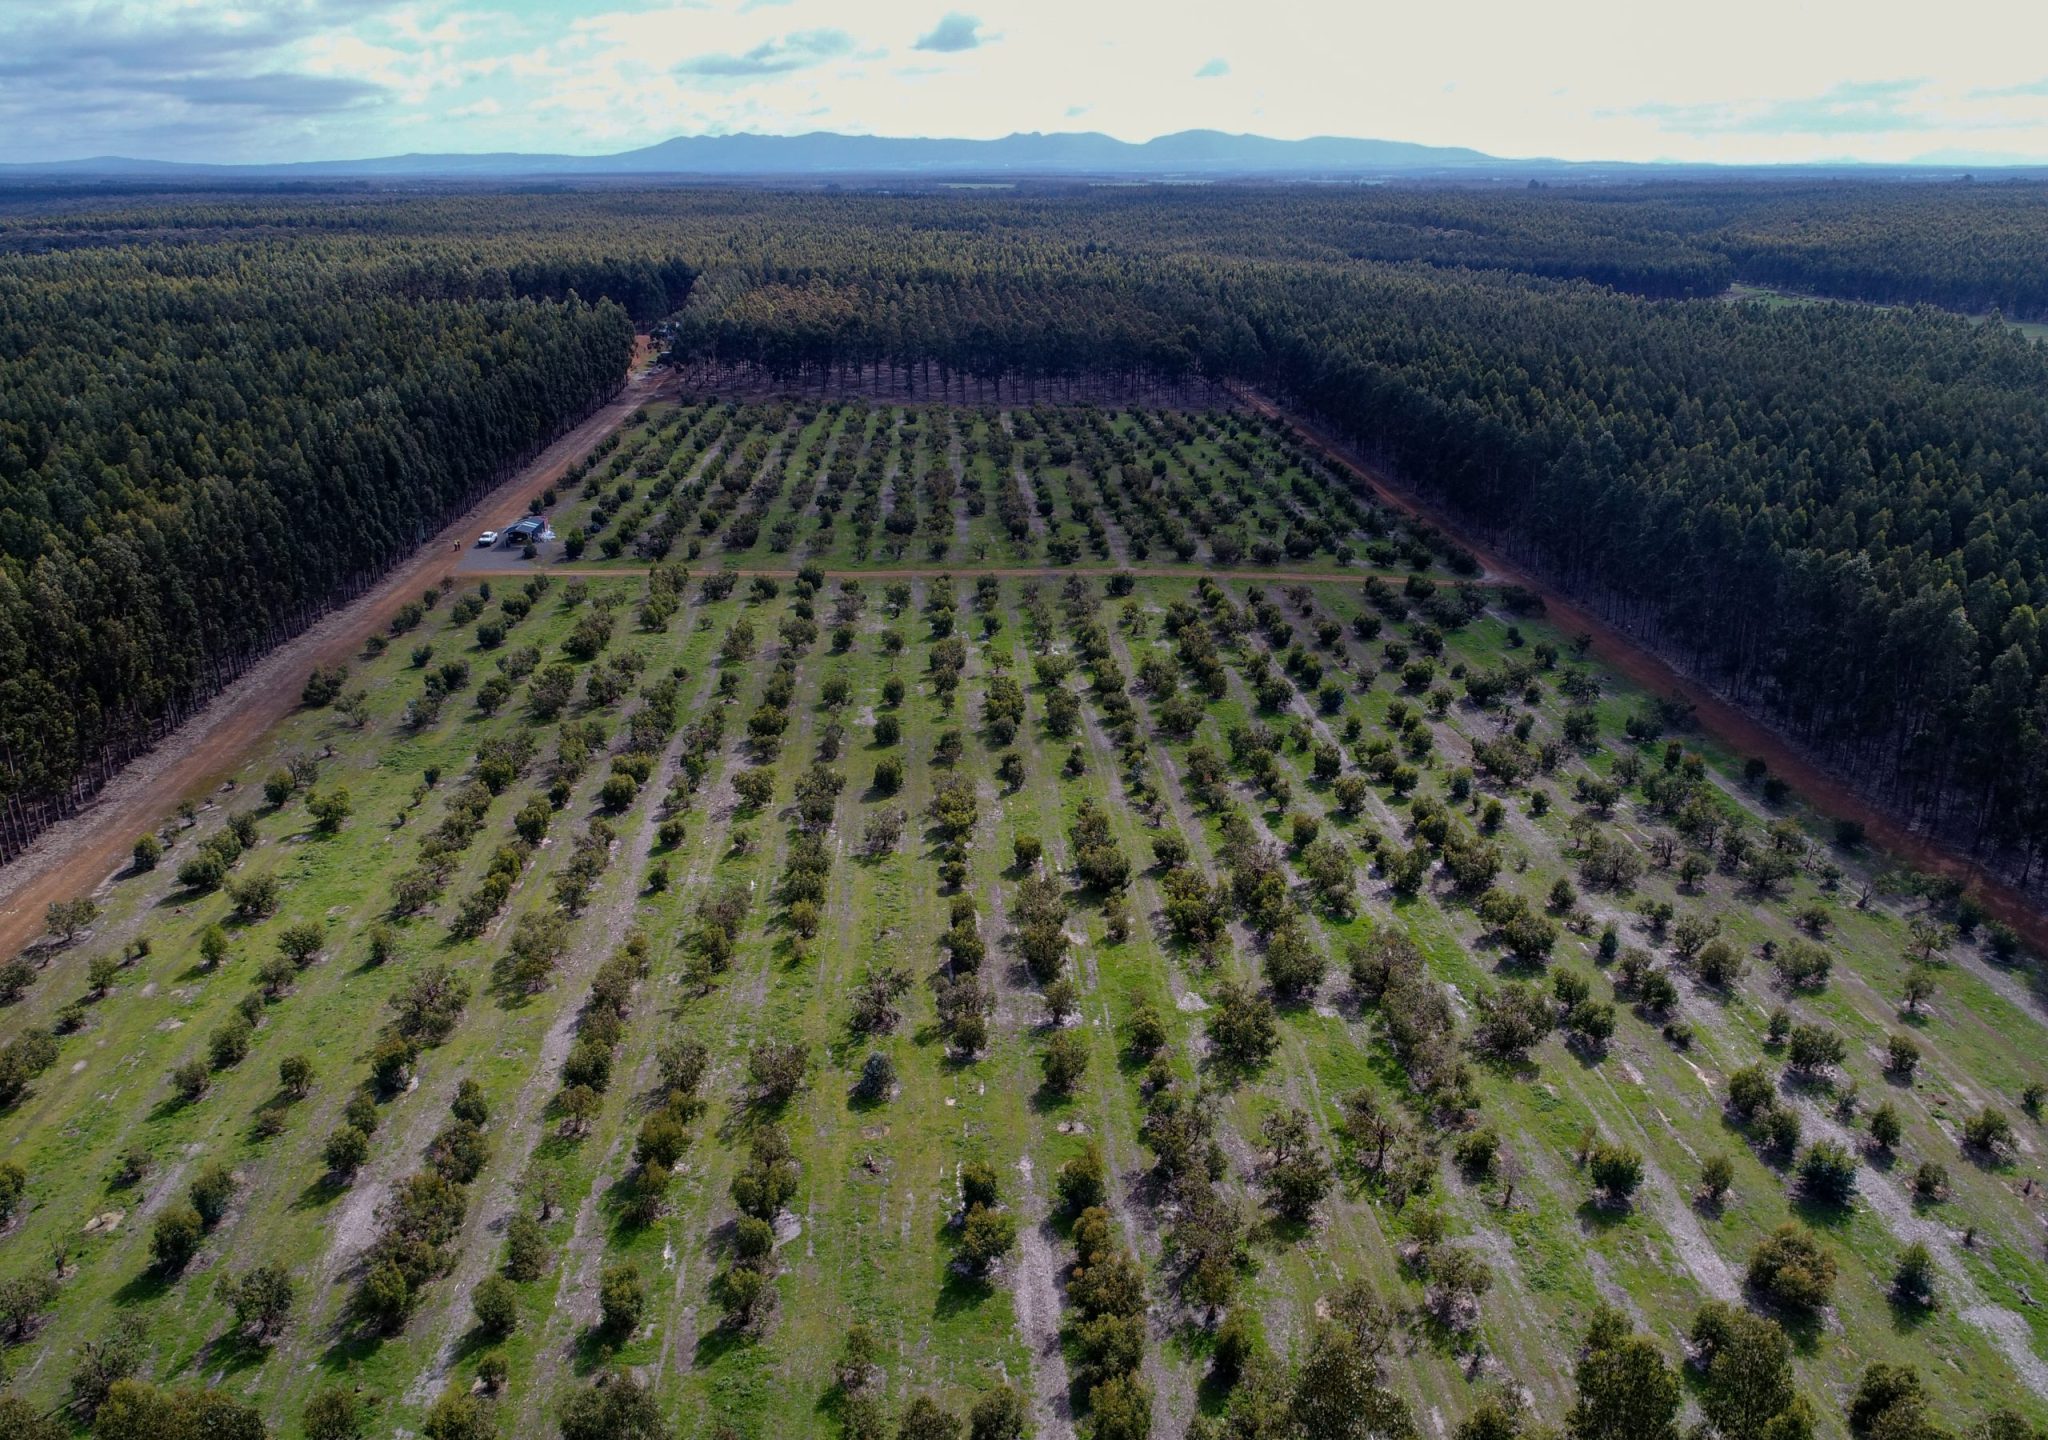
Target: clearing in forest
674,974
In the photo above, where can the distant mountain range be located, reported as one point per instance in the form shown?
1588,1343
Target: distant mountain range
1190,152
1199,154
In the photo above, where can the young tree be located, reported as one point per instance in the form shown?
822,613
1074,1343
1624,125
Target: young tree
1617,1172
877,1080
1242,1026
1082,1181
262,1300
1827,1173
1064,1061
460,1415
1901,1057
175,1238
924,1419
1989,1132
1790,1267
330,809
621,1299
1746,1363
986,1235
66,918
334,1413
1922,981
13,1185
777,1070
614,1407
300,942
23,1298
526,1249
998,1414
496,1304
1062,999
191,1080
1122,1406
1913,1281
1297,1175
1717,1176
1626,1388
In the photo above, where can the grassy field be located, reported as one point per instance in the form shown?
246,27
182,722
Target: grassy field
1765,295
1237,715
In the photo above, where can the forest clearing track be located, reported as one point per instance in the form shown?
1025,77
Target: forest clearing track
1730,724
194,758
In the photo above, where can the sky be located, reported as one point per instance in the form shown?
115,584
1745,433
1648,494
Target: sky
1742,81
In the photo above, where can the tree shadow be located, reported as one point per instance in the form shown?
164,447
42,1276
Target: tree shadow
1803,1328
1987,1162
1597,1219
1822,1214
593,1350
1908,1315
716,1343
351,1347
321,1191
1045,1100
960,1293
231,1353
152,1282
1285,1230
165,1108
860,1102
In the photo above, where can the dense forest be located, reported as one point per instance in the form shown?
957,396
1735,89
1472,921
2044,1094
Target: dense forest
202,443
1834,511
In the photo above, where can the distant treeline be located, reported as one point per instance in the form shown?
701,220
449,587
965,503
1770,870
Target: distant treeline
205,441
1962,246
1967,247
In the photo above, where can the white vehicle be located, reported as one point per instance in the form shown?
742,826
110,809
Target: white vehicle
489,537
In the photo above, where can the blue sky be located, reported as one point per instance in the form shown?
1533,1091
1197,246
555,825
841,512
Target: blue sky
1742,81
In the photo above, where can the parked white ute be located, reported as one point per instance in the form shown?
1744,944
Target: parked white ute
489,537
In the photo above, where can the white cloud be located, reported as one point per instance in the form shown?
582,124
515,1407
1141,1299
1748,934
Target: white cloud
954,32
1579,78
777,55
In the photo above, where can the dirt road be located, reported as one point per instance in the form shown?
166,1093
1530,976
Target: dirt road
76,855
1732,726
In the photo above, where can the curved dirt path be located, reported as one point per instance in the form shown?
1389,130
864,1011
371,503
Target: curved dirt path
76,855
1819,787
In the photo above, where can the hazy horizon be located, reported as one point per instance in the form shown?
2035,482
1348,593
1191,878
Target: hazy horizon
274,81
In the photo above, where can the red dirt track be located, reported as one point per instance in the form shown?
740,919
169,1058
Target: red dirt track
1732,726
73,856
